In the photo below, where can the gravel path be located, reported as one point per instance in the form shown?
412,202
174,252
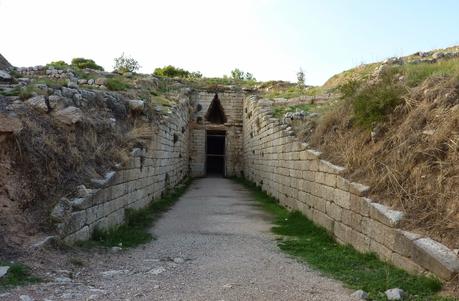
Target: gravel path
213,245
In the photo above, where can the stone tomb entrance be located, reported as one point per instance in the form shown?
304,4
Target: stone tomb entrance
215,153
216,133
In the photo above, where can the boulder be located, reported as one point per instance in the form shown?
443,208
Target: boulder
360,295
136,105
438,55
3,271
5,76
68,92
62,210
69,115
395,294
72,84
101,81
38,102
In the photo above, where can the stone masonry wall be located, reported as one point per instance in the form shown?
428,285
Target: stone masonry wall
295,175
149,173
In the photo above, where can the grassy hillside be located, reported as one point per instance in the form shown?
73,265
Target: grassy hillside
395,126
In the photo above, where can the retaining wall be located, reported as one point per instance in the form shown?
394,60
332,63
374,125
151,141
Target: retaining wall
148,174
295,175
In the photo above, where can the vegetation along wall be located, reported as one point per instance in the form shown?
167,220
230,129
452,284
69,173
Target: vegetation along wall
295,175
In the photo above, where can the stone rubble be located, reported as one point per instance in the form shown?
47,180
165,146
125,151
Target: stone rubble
3,270
394,294
360,295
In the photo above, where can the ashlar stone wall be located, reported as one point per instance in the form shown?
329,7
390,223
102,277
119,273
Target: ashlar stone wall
231,102
149,173
295,175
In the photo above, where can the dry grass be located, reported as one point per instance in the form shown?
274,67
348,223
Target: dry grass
53,159
412,163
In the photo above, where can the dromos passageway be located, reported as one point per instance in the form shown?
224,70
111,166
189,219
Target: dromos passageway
214,244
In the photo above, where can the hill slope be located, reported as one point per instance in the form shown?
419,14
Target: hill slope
395,126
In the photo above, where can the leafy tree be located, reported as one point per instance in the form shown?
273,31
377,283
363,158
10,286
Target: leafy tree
82,63
124,64
300,78
249,76
238,74
58,65
171,71
196,75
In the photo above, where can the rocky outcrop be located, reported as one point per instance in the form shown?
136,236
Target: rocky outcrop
4,64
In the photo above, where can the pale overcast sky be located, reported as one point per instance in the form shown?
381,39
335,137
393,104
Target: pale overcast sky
270,38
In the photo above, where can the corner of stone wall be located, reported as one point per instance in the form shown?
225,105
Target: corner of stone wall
294,174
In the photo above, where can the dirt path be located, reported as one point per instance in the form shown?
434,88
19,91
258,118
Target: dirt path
213,245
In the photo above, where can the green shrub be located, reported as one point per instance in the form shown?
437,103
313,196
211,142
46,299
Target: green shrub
124,64
115,84
171,71
27,92
372,102
18,274
61,65
83,63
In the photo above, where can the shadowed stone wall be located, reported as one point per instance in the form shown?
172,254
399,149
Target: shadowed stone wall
150,172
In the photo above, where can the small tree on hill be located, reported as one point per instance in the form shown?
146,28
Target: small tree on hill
124,64
238,74
301,79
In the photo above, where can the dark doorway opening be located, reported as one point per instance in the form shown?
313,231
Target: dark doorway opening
215,113
215,153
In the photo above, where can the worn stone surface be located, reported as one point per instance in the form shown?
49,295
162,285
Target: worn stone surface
385,215
69,115
436,258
